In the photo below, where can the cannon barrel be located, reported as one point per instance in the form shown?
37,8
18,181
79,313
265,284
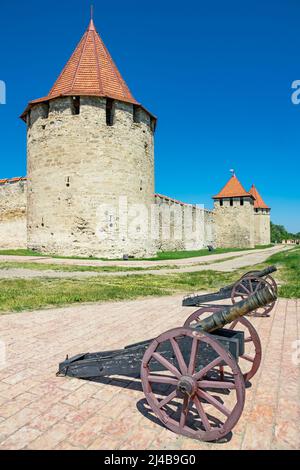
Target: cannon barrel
223,317
264,272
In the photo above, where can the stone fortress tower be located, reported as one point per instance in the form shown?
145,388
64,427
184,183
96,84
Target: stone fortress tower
262,222
89,142
242,219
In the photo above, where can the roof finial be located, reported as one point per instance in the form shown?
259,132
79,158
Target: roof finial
91,25
232,172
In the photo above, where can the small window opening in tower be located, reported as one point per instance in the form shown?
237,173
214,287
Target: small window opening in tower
68,180
242,201
43,223
231,201
76,105
136,114
256,210
152,124
221,202
141,185
29,118
47,110
110,112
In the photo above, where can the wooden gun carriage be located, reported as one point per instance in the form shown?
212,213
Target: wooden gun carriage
187,373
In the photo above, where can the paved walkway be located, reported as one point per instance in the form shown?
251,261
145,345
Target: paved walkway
40,411
223,262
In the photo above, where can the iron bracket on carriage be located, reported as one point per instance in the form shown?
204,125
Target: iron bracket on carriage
190,375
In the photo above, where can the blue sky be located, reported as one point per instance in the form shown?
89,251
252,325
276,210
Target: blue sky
217,74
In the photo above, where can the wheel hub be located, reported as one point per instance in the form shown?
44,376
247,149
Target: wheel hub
187,386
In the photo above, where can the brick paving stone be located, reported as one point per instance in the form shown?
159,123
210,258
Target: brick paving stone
40,411
104,443
51,437
20,439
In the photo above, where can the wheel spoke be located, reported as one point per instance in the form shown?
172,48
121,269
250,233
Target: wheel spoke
179,356
248,339
184,412
163,379
240,294
216,384
233,325
260,285
207,368
164,362
193,357
202,413
248,358
214,402
245,289
166,400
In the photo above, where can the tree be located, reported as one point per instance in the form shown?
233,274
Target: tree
279,233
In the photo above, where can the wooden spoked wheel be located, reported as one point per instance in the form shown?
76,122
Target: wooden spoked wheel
247,286
180,384
251,359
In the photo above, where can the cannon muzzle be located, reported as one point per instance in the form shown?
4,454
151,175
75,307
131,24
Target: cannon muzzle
267,271
221,318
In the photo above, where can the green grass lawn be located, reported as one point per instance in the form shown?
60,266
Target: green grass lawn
288,264
21,294
168,255
70,268
164,255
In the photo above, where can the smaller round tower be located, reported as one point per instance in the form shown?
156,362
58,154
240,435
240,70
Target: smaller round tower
234,216
90,159
262,220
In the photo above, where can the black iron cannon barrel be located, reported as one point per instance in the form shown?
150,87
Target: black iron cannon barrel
266,271
227,315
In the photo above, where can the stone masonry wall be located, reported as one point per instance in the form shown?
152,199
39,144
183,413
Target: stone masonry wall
234,225
13,233
262,227
79,172
182,226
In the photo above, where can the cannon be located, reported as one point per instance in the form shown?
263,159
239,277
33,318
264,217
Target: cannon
252,281
248,284
187,373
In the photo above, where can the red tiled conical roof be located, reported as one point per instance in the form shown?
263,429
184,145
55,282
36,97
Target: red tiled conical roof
232,189
259,202
90,71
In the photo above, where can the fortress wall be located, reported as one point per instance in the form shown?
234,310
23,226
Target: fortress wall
180,226
80,169
262,227
209,227
13,231
234,225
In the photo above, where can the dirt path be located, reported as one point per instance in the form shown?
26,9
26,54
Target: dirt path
221,262
132,264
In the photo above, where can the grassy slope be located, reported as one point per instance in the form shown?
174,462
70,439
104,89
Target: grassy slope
165,255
